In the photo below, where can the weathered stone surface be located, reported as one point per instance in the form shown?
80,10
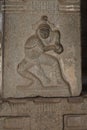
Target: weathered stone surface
28,23
42,48
42,114
17,123
1,52
24,23
75,122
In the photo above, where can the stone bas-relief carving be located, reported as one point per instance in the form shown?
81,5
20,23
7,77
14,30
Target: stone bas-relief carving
18,77
40,66
41,50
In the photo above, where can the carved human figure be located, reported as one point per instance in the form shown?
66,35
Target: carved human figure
37,63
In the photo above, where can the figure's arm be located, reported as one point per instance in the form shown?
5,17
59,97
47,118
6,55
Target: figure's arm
58,46
49,48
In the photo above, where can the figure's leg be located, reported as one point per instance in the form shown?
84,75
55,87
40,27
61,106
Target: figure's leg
47,59
56,72
48,63
41,73
23,70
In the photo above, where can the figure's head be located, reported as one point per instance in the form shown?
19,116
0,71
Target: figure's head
44,28
44,31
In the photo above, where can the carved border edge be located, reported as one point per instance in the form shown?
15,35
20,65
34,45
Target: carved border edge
2,2
69,6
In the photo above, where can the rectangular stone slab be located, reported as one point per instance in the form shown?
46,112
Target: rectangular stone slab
14,123
43,114
42,51
75,122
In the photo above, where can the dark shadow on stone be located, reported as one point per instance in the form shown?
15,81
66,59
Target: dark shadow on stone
84,44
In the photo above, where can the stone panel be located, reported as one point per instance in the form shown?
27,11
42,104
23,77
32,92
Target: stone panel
44,113
75,122
41,49
15,123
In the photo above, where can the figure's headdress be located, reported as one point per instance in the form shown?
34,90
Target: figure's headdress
44,21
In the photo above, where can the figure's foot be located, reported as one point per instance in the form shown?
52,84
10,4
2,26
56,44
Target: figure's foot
26,86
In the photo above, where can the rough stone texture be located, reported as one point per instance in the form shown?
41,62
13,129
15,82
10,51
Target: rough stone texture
42,48
75,122
44,114
21,35
1,51
17,123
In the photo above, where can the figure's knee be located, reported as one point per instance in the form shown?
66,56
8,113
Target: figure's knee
23,66
20,68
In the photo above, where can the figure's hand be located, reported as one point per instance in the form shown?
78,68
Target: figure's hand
58,49
49,48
